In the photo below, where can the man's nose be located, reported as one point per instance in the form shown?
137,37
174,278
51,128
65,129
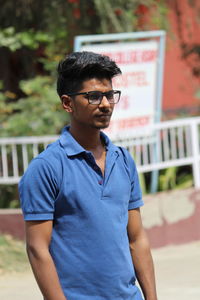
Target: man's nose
104,102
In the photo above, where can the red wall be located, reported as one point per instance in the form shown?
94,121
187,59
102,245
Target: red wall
172,217
11,222
180,85
169,218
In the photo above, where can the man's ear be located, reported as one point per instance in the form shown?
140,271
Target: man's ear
67,103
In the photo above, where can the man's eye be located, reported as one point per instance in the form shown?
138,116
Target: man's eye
110,95
94,96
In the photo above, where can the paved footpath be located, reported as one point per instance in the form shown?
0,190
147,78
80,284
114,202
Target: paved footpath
177,272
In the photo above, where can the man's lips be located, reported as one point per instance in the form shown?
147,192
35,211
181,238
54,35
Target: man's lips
103,115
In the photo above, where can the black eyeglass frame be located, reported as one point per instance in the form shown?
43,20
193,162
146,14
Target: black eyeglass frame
97,102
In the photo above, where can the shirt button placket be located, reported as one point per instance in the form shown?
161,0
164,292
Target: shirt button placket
95,168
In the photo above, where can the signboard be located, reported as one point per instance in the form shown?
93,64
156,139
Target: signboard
138,106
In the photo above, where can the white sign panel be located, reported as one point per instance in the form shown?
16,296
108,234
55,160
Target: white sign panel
138,62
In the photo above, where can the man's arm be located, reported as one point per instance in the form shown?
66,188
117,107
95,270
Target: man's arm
141,255
38,236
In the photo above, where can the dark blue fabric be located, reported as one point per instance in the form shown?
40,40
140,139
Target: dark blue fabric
89,243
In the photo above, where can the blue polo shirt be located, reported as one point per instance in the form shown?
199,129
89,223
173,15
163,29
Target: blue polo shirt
89,244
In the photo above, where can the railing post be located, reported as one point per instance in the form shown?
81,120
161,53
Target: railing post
196,156
156,159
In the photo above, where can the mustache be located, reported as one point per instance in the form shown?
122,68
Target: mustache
104,114
105,111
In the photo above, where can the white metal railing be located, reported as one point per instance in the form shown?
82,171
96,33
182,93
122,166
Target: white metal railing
17,152
172,143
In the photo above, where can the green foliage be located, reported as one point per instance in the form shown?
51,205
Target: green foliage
40,113
168,179
175,178
9,196
143,183
160,15
131,15
15,40
197,94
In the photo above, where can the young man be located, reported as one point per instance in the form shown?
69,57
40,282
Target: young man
81,198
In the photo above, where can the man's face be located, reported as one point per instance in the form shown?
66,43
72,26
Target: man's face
92,115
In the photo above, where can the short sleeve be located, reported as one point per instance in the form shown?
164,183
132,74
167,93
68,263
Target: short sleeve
38,190
136,193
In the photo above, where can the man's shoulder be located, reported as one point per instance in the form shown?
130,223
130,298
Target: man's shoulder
48,164
126,154
123,150
51,157
53,151
128,161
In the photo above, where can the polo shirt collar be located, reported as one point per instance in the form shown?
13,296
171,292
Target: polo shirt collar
72,147
109,145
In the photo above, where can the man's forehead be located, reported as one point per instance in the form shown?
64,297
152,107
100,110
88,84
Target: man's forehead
96,83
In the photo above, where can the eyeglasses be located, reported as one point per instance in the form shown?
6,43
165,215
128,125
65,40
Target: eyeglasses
95,97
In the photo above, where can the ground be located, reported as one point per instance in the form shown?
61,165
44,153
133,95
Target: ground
177,272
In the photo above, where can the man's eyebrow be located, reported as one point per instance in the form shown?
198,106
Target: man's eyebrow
100,92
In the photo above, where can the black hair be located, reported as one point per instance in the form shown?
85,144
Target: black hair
80,66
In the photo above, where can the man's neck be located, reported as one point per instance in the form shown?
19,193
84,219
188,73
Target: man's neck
88,138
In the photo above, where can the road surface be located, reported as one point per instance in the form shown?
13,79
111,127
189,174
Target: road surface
177,272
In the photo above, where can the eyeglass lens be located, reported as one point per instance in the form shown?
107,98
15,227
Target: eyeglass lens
96,97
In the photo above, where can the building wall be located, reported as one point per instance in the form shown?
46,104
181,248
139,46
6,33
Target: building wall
181,90
169,218
11,222
172,217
